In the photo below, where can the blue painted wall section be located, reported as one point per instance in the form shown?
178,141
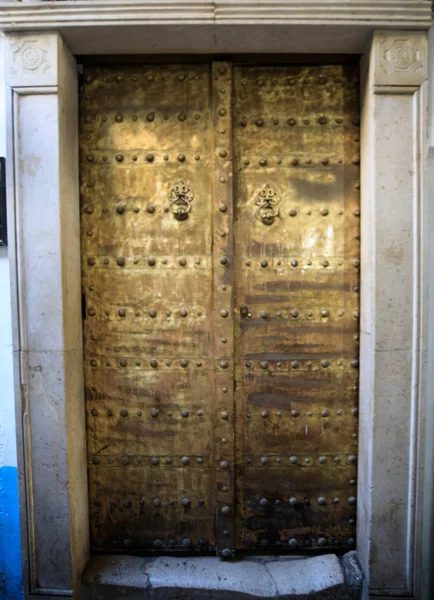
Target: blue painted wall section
10,553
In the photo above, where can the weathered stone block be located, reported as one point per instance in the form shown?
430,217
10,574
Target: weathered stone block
207,578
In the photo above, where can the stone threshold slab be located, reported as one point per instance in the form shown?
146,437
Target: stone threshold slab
325,577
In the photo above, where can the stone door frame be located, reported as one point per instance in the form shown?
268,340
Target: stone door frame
42,119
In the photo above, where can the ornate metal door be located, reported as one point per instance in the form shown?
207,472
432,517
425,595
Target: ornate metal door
296,262
220,336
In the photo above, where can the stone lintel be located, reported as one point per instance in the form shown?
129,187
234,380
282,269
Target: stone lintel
407,14
228,26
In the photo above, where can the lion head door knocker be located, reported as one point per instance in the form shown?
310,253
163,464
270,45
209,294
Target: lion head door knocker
181,197
267,202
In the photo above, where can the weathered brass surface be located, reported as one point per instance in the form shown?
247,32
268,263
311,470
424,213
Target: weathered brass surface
297,276
153,294
193,301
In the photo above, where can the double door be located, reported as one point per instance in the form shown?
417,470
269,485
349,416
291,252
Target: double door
220,273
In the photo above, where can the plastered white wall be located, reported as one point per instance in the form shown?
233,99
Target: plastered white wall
8,453
10,552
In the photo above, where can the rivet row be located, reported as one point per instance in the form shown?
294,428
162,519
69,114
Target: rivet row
154,363
300,160
264,314
292,542
294,501
296,413
150,116
296,364
185,544
294,313
292,263
151,261
303,121
149,78
147,158
303,460
156,502
122,312
264,461
259,82
150,158
151,209
155,412
155,460
303,80
224,364
300,542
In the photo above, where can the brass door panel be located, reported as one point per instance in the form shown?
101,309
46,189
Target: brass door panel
296,226
158,378
220,260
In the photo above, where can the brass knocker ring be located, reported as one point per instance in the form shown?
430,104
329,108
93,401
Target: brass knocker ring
181,197
267,202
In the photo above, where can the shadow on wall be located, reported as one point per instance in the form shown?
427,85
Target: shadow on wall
10,554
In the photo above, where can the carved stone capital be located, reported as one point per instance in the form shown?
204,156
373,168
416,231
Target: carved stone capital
32,59
401,58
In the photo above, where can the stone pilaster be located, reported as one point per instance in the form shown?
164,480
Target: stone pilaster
393,320
45,264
